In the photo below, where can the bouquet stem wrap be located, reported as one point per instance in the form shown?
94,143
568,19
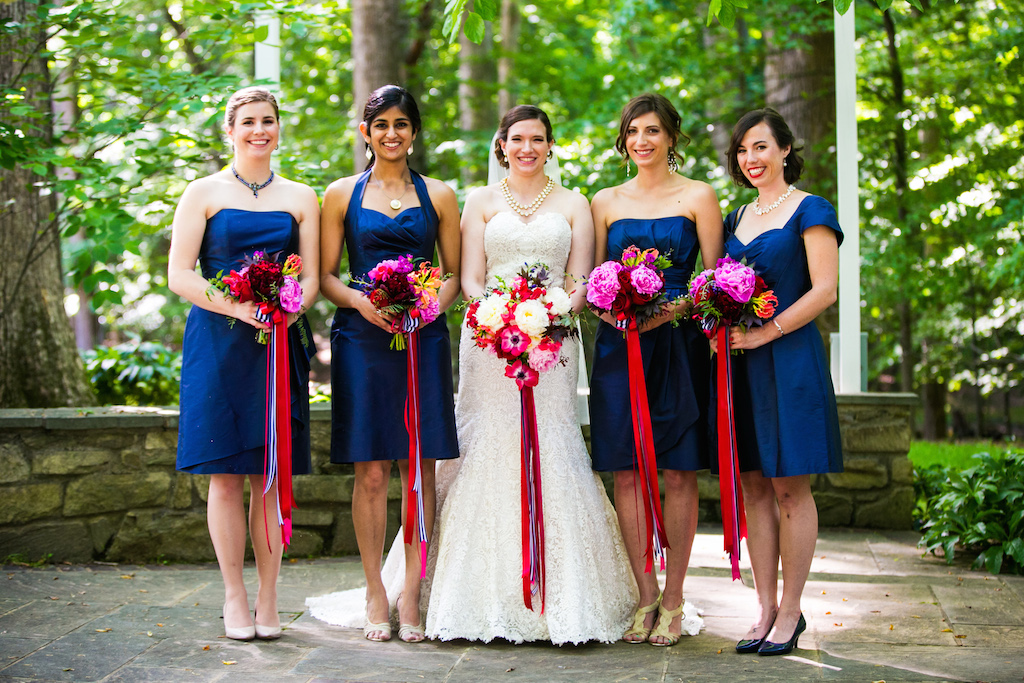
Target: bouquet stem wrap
734,521
277,459
531,501
414,518
645,463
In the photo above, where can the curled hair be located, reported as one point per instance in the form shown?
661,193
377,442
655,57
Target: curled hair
248,96
663,109
521,112
384,98
783,136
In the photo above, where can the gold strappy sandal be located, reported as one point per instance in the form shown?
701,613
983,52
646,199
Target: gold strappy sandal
638,622
665,618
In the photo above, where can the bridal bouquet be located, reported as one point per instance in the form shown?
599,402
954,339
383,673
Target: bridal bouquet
731,293
525,323
630,288
262,279
407,291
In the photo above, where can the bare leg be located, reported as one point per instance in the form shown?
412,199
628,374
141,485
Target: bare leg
798,534
263,524
629,509
763,545
409,607
225,515
369,517
680,510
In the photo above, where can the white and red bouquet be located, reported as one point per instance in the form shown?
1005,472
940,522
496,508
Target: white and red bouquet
263,279
407,291
630,288
731,293
525,324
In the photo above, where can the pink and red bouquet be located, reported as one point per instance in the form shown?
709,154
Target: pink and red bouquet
731,293
407,291
632,287
524,323
264,280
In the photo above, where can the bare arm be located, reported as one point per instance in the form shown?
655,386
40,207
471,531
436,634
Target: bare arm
822,249
449,242
474,261
581,252
309,248
599,212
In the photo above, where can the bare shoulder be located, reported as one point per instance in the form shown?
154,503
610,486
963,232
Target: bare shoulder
301,190
439,190
574,201
606,196
699,190
341,188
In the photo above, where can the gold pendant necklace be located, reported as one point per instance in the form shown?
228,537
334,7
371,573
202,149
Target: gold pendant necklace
395,204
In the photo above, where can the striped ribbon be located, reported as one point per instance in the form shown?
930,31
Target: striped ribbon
734,520
414,518
277,458
531,501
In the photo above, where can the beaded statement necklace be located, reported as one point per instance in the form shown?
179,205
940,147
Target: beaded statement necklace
255,187
526,210
774,205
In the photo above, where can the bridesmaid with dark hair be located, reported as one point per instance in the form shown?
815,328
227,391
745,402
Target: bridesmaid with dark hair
386,212
785,407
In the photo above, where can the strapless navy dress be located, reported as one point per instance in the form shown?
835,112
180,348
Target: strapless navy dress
368,379
784,405
676,363
222,425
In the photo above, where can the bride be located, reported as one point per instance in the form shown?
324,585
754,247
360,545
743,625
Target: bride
474,588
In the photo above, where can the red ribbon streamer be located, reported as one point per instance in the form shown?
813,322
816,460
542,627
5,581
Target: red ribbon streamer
644,460
531,502
277,461
414,500
734,520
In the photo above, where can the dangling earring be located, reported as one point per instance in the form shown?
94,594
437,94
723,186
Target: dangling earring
550,154
627,167
409,153
369,154
673,165
784,163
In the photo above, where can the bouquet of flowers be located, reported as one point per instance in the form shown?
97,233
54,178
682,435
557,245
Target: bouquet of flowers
406,291
630,288
731,293
525,323
262,279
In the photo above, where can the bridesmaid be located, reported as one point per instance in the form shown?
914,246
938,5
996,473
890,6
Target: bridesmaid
220,220
678,216
781,382
386,212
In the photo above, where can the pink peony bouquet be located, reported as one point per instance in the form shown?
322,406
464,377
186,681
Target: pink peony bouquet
262,279
407,291
524,323
731,293
631,287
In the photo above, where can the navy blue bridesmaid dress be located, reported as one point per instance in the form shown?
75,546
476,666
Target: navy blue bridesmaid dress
676,363
222,425
784,405
368,379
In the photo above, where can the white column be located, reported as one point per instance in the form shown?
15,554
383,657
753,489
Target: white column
268,52
850,360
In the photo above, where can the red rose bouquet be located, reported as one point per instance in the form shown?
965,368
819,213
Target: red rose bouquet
262,279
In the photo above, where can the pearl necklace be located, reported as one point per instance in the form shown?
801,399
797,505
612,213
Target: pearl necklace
525,210
255,187
774,205
395,204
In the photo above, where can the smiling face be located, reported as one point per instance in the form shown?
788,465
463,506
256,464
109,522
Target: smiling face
389,134
256,130
527,146
647,141
760,158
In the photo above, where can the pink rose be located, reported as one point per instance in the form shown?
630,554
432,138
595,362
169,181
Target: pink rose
603,285
735,279
544,356
290,294
645,280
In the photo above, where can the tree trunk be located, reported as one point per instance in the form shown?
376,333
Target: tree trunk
39,364
477,75
378,27
935,427
506,58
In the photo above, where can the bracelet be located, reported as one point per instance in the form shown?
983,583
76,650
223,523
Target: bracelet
779,327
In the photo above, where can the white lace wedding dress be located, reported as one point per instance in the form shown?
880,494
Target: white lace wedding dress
474,588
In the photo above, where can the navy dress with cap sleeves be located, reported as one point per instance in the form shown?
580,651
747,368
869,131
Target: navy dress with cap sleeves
676,364
784,404
368,378
222,424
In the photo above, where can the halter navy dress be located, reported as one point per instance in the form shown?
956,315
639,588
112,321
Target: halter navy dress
784,405
676,363
221,428
368,379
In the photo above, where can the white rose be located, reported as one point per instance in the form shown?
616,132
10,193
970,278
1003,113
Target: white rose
559,300
488,313
532,318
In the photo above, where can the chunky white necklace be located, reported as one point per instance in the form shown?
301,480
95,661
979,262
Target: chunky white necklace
525,210
774,205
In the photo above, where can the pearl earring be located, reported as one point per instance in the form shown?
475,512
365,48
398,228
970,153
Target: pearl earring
784,163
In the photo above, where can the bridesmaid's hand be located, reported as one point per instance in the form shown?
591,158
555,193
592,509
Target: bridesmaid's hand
608,318
246,312
372,315
753,338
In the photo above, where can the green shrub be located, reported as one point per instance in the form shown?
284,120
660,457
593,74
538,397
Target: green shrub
134,373
978,510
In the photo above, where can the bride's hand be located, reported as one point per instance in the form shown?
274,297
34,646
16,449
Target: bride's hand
372,315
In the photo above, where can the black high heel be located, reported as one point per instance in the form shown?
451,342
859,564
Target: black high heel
749,646
769,648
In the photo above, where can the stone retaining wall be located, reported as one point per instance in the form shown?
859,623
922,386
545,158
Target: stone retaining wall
100,484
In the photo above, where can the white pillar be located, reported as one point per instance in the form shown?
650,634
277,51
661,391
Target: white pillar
268,52
850,360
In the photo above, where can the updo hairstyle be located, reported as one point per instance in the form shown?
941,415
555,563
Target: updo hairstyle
783,136
382,99
522,112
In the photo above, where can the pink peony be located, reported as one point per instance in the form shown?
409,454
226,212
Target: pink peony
290,294
512,342
645,280
523,374
735,279
545,356
698,282
429,307
603,284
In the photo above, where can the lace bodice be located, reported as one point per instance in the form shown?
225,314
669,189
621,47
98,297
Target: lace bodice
510,243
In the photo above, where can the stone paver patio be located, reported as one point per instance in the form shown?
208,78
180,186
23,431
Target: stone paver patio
876,611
